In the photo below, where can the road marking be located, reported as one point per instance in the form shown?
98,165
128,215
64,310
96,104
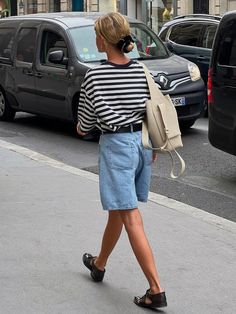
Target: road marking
153,197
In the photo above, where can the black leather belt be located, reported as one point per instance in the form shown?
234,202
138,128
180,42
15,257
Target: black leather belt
127,129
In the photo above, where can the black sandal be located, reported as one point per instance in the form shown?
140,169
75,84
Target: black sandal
157,300
95,273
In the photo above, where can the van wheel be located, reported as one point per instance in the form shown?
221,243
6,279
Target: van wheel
7,113
184,125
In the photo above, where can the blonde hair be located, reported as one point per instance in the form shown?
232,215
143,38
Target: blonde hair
115,29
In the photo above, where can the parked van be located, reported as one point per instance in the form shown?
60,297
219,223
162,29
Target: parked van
44,57
222,86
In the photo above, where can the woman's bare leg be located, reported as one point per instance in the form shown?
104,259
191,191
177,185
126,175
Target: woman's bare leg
110,237
140,245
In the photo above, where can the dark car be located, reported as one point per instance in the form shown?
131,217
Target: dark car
191,37
222,86
44,57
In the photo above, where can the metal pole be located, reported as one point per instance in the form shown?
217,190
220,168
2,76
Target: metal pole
9,6
21,7
123,7
175,7
144,12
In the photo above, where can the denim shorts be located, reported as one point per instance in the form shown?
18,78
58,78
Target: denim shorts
124,170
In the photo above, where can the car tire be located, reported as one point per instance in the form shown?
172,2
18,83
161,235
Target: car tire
185,125
7,113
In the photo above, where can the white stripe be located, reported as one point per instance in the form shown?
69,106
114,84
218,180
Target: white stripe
123,102
156,198
137,93
127,85
119,77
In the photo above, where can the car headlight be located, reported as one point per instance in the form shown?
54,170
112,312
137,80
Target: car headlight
194,71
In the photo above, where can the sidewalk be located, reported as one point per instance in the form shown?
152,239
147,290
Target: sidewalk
50,216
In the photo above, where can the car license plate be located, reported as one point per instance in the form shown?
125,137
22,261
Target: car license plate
178,101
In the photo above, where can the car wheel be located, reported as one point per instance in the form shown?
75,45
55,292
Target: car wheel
184,125
7,113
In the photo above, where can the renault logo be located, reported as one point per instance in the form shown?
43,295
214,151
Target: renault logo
163,80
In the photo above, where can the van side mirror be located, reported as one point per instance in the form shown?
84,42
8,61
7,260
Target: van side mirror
57,57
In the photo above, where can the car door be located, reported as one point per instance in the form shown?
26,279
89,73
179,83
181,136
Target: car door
205,49
23,76
52,80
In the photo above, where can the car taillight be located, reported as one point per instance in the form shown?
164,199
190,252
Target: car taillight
209,87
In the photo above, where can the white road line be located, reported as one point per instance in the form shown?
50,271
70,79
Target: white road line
153,197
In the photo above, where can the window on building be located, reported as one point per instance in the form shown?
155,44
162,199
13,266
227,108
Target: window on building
6,42
32,6
54,6
102,6
93,5
186,34
26,43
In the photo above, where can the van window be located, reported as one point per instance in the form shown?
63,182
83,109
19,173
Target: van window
52,42
26,44
6,42
147,44
186,34
227,52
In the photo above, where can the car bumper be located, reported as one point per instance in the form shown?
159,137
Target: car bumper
195,95
193,108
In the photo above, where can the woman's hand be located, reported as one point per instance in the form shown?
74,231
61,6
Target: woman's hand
79,130
154,156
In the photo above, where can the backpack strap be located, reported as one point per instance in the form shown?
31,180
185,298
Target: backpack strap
181,161
146,144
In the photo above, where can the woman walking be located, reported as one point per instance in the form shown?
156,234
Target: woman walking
112,98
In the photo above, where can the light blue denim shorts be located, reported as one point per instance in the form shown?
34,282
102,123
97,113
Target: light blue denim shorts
124,170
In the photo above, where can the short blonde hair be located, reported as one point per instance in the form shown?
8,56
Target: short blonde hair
114,27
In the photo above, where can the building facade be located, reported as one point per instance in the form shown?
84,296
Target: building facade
215,7
154,13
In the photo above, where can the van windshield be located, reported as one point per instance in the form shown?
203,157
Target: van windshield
147,44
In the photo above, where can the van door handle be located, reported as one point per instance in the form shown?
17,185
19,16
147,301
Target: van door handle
229,87
39,75
201,58
30,73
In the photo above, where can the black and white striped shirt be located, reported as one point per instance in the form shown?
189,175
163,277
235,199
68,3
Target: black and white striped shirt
112,96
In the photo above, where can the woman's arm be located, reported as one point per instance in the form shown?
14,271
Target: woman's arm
86,114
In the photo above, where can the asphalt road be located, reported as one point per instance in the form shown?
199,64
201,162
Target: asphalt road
209,182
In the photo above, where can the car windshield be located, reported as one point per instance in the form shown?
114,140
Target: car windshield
147,44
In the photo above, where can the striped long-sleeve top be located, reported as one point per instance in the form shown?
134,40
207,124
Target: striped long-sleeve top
112,96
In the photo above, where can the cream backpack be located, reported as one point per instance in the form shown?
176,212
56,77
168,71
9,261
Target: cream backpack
160,129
